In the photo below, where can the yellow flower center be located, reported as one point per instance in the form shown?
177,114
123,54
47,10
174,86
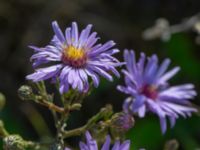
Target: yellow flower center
74,56
74,53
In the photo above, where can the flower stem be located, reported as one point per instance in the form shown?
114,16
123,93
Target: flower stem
3,131
50,105
103,113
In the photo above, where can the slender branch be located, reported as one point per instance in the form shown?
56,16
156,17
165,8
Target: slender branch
3,131
75,132
51,106
104,112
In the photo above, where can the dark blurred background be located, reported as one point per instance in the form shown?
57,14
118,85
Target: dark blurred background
27,22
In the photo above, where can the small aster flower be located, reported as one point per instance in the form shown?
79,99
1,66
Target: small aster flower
74,57
149,90
91,144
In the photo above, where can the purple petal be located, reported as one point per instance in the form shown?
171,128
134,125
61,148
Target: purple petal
94,76
142,111
92,145
168,75
172,121
68,36
163,68
91,40
83,146
125,145
58,31
139,101
44,73
106,145
102,72
126,104
163,124
103,48
116,146
74,34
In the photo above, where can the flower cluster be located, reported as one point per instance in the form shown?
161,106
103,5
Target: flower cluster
75,60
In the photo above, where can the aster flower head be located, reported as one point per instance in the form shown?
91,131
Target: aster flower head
91,144
147,84
75,57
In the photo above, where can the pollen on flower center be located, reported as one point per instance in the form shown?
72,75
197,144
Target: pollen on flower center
150,91
74,56
73,52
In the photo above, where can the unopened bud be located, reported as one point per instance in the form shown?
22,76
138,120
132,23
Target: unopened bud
56,146
2,101
13,142
122,121
171,145
16,142
25,92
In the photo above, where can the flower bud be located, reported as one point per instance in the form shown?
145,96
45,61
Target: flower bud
13,142
171,145
2,101
25,92
56,146
122,121
16,142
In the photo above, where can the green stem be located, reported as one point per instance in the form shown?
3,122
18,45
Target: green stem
3,131
50,105
61,124
104,112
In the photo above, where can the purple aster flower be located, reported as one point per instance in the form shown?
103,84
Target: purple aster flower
91,144
74,57
149,90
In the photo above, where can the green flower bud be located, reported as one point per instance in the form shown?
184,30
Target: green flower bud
122,121
16,142
25,92
171,145
13,142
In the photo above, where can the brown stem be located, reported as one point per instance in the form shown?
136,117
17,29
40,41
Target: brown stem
51,106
